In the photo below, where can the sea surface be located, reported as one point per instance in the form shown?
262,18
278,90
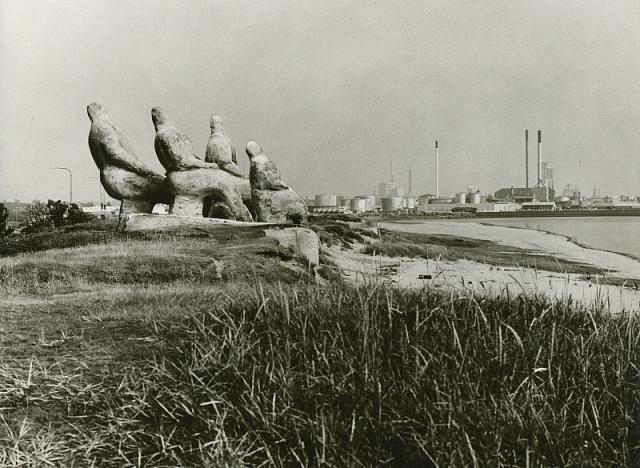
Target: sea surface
616,233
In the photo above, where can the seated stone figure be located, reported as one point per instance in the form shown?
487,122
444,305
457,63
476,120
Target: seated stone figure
122,174
192,180
273,201
220,150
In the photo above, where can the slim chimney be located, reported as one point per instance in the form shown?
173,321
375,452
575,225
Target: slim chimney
437,175
540,157
409,191
526,157
393,171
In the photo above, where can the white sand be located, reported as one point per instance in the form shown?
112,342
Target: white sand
535,241
466,276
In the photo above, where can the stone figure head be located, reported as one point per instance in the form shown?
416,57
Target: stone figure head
96,111
216,123
158,116
253,149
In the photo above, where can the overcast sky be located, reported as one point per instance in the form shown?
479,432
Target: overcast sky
332,90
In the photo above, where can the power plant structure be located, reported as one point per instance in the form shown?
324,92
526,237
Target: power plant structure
542,191
540,182
526,157
392,203
327,200
437,173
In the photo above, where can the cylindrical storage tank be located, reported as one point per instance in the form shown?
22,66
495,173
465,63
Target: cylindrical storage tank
326,200
370,203
461,198
410,203
473,198
391,204
346,202
358,205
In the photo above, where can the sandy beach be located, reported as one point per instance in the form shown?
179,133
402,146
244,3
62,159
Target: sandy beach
470,276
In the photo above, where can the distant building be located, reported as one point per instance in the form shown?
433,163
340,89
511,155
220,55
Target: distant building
572,191
524,195
538,206
424,198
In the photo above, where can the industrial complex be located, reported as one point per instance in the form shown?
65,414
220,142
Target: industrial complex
391,197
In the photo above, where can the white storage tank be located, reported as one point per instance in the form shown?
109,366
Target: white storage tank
392,203
371,203
346,202
358,205
461,198
326,200
410,203
473,198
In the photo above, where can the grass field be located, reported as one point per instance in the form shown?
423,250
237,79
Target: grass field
220,348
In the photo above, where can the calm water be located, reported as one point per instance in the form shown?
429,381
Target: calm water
615,233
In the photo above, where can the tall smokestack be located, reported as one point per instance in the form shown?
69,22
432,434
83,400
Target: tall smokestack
526,157
409,191
437,175
540,157
393,171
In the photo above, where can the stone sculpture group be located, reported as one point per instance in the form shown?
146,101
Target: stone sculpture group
213,187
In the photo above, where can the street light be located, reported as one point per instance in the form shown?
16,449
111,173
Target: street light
70,182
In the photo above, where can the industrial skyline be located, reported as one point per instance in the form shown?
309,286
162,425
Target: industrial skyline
379,86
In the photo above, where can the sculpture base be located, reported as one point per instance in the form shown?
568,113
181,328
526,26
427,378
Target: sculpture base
187,206
137,206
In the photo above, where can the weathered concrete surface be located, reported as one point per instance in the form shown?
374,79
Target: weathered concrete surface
145,222
282,206
124,185
122,174
174,148
220,150
272,199
302,241
137,206
193,186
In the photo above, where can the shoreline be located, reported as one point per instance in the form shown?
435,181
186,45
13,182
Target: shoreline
465,276
551,244
568,238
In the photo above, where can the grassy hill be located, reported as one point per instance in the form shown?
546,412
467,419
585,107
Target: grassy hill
218,347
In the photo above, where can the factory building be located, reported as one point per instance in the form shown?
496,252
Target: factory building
524,195
539,206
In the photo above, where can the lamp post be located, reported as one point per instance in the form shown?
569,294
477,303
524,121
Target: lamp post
70,182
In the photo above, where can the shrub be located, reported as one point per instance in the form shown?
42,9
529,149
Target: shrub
36,218
77,216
